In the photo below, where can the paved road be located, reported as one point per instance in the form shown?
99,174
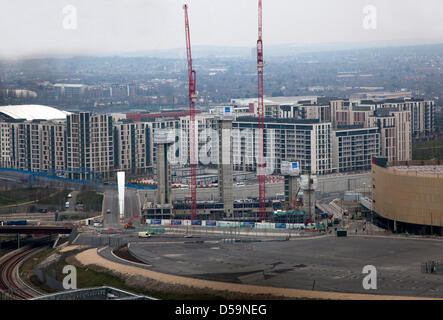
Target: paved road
132,204
110,201
335,264
72,202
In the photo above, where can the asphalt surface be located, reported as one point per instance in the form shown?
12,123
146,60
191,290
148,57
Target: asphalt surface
110,201
335,264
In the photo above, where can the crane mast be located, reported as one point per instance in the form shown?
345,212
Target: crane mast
261,124
193,94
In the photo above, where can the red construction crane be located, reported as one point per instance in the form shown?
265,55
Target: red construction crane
261,121
129,224
193,94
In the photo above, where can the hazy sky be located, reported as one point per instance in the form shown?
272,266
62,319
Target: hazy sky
35,27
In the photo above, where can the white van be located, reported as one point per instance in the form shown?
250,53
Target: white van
144,234
67,204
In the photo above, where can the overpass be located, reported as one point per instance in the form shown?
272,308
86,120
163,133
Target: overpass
330,208
36,229
366,202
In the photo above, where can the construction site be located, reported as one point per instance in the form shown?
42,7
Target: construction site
295,204
188,230
216,193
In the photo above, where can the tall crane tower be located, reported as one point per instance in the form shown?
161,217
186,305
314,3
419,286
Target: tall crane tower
193,94
261,121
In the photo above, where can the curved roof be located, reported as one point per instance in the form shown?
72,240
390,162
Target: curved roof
33,112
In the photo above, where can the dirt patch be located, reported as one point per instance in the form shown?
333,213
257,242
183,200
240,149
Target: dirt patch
124,253
71,247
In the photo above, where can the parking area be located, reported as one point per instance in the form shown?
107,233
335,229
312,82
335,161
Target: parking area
324,264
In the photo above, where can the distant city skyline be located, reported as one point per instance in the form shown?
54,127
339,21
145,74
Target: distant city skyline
103,27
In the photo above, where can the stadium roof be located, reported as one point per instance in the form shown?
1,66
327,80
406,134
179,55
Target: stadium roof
32,112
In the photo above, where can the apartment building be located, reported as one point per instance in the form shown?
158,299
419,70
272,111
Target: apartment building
308,141
320,112
339,137
274,107
90,145
37,145
5,145
133,147
353,148
206,136
395,133
355,116
422,112
172,124
423,117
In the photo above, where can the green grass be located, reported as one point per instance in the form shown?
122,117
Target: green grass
17,196
36,259
91,200
58,199
73,217
89,277
62,240
428,150
27,269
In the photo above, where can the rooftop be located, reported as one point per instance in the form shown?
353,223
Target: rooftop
426,169
72,85
32,112
274,100
278,120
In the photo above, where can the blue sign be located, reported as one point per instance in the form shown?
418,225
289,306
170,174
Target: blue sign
247,224
176,222
196,222
280,225
211,223
294,165
227,109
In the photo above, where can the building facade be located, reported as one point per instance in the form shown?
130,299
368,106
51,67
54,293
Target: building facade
90,145
407,196
395,133
133,150
339,136
308,141
37,146
353,149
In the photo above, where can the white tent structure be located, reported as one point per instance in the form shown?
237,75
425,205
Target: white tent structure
32,112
